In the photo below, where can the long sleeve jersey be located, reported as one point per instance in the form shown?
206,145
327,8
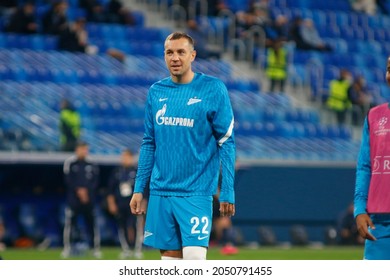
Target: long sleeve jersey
188,137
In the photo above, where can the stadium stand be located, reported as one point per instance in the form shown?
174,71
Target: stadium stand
31,63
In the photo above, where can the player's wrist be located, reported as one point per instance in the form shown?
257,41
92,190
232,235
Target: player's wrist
227,197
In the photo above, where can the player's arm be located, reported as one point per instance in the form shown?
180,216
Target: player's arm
223,123
113,182
363,177
83,194
148,147
111,204
137,204
363,222
95,179
145,162
83,191
67,173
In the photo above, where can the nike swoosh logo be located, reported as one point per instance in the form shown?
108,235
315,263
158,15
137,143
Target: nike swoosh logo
162,99
193,101
202,237
147,234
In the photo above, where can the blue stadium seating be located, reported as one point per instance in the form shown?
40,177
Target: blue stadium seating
110,96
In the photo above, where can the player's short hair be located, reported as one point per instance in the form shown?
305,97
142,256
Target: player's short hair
81,143
128,152
178,35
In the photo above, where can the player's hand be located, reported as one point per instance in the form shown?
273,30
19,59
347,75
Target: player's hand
137,207
113,208
227,209
363,221
82,194
144,205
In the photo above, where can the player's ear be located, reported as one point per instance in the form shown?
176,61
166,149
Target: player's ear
193,55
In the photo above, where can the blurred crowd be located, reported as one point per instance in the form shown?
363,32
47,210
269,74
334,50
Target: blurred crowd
52,19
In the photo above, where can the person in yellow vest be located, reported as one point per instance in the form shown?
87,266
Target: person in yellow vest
69,126
276,70
338,100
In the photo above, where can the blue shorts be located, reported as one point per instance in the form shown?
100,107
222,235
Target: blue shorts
175,222
379,249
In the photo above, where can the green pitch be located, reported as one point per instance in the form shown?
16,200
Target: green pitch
262,253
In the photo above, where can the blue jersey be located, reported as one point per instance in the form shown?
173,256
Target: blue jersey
188,138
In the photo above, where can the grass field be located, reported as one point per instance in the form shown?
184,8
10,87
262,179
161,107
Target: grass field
263,253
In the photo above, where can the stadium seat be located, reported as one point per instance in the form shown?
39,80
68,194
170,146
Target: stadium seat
87,78
267,236
299,235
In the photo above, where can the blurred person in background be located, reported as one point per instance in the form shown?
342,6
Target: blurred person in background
120,191
382,6
2,235
8,7
260,9
251,24
81,181
55,20
277,30
276,69
338,100
214,7
70,126
372,194
116,12
360,98
203,50
222,229
347,229
3,246
294,31
364,6
74,38
194,9
94,9
23,20
310,39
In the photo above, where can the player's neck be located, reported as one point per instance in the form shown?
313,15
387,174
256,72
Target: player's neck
186,78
